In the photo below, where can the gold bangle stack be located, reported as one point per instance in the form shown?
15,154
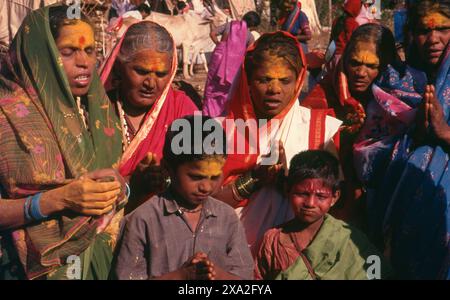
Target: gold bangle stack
236,195
244,186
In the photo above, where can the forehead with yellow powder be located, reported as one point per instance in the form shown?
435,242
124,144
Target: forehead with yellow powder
152,61
365,53
78,35
434,20
275,67
209,167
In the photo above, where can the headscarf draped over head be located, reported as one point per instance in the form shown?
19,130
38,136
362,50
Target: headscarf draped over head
49,143
352,7
169,106
241,108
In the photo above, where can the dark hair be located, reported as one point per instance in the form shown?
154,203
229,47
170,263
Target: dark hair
274,44
314,164
58,18
380,36
252,19
195,148
144,8
420,9
181,5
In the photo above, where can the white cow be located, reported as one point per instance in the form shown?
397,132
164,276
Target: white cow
190,32
198,50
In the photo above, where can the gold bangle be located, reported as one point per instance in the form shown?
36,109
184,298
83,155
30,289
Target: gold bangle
235,193
245,185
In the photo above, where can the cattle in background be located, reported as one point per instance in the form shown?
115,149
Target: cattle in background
190,31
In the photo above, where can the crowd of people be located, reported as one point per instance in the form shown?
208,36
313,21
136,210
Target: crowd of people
90,160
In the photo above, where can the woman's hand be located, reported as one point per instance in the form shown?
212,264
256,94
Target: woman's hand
267,174
151,175
430,119
88,196
434,116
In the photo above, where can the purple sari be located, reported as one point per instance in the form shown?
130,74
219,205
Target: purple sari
224,65
390,112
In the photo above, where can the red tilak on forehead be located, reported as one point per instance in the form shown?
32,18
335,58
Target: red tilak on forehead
431,23
82,40
313,185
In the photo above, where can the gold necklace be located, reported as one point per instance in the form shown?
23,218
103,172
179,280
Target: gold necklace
81,111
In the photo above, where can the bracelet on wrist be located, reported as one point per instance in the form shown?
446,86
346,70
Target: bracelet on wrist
246,185
26,209
35,209
236,195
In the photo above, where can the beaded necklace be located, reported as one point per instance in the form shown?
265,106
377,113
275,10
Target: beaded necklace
126,138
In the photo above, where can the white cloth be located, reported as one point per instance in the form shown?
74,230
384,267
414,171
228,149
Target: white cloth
255,34
268,207
133,14
368,14
240,7
12,13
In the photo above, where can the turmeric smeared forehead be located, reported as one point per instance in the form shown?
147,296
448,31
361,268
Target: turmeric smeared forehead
210,167
276,67
152,60
78,35
434,20
275,45
365,53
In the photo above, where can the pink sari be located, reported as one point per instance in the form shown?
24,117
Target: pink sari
151,135
225,62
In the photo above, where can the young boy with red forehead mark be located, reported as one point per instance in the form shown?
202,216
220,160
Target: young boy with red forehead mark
314,245
184,233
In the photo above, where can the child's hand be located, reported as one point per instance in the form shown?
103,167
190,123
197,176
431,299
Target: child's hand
206,270
189,268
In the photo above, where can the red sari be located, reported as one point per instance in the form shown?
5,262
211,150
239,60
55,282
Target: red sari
150,136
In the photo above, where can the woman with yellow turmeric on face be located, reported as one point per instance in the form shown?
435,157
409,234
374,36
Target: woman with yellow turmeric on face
270,81
367,91
57,131
138,77
413,204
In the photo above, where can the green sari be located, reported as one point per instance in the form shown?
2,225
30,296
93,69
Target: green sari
42,147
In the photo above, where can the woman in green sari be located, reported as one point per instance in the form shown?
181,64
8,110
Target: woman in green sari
60,141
